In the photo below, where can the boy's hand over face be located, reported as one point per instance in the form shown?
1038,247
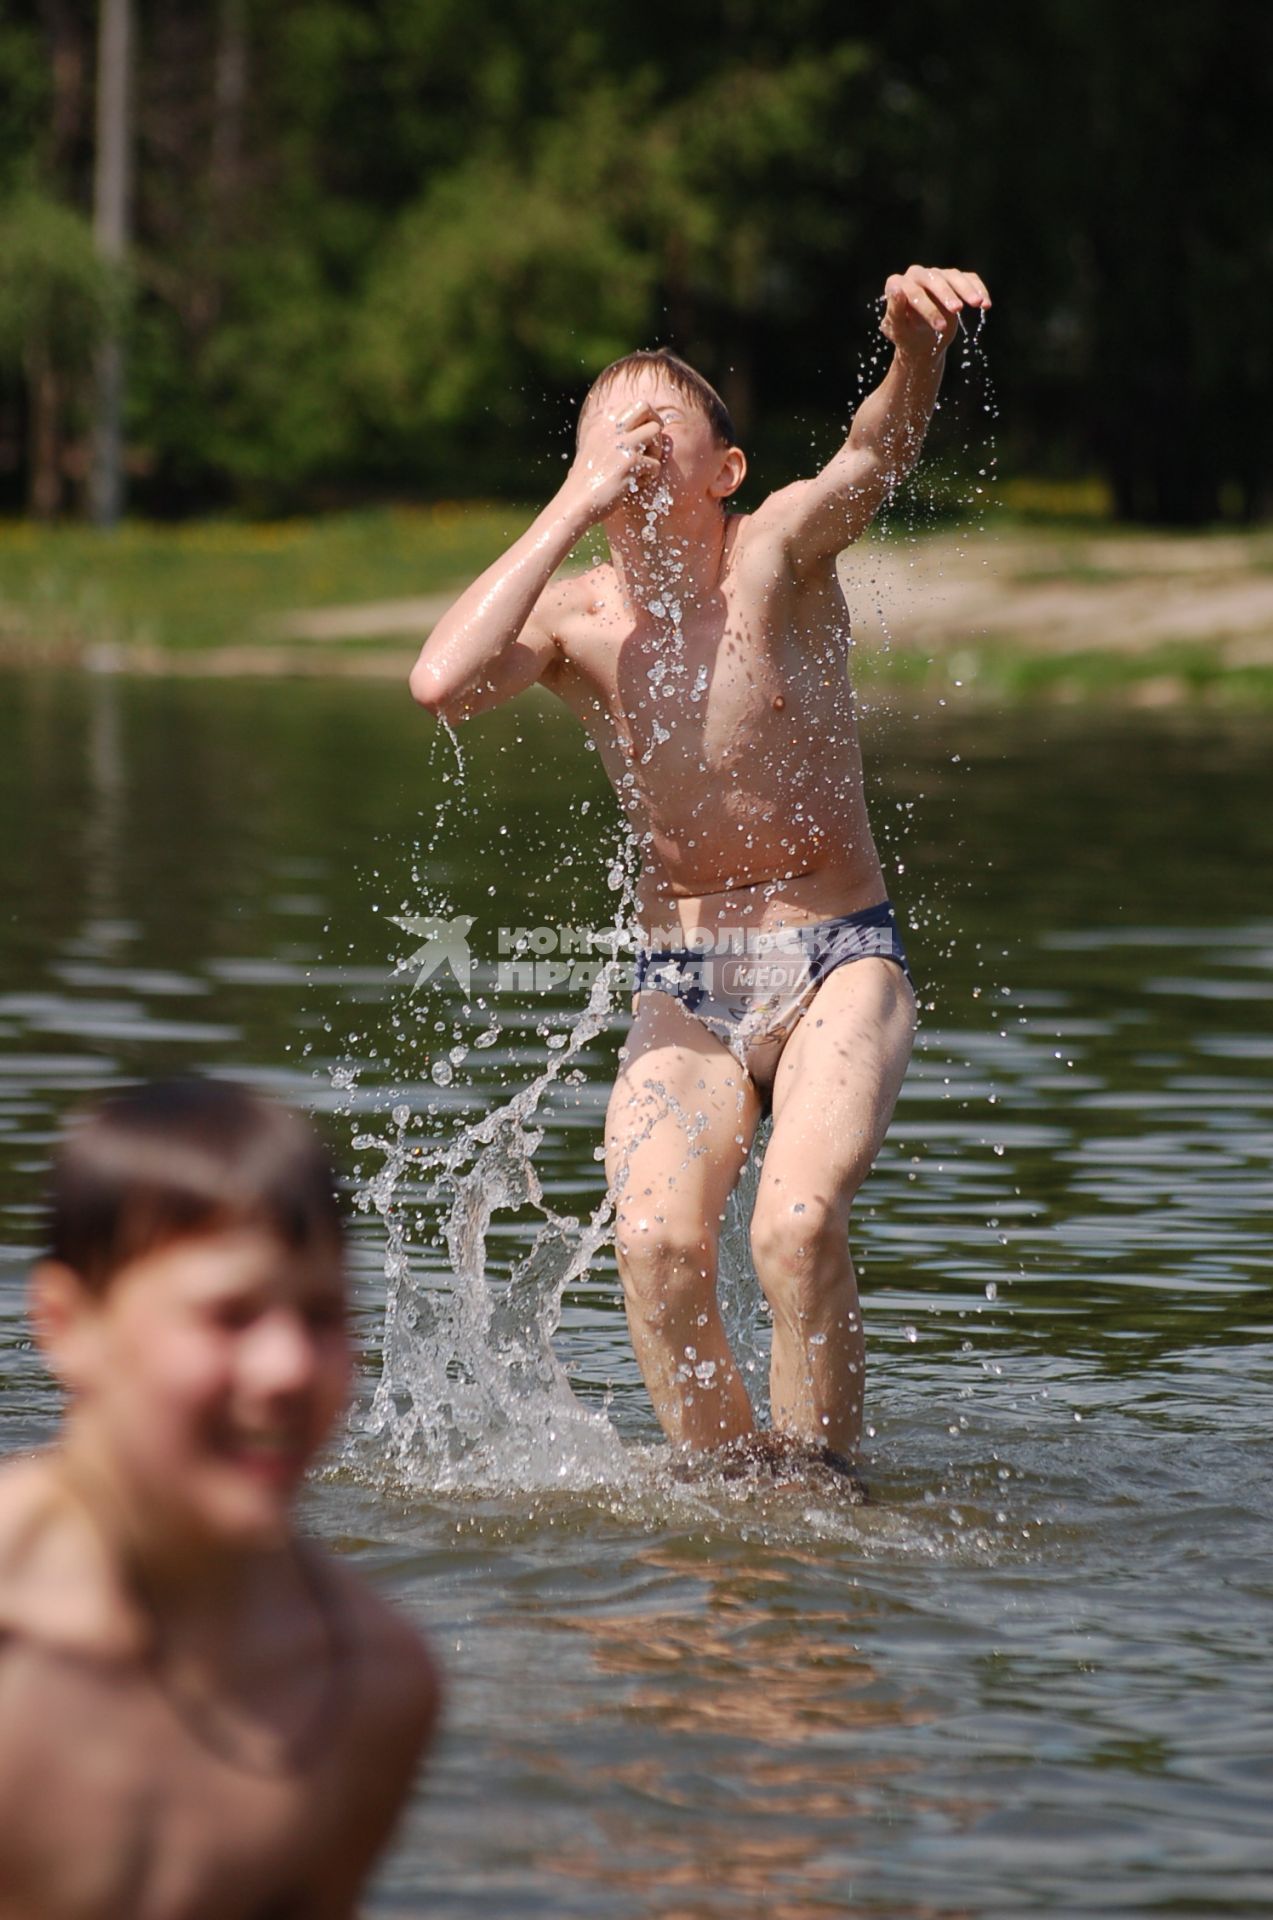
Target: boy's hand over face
923,306
618,453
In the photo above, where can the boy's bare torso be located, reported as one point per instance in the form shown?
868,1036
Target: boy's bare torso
128,1793
729,731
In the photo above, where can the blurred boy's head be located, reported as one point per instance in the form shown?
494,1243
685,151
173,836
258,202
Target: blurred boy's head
176,1158
193,1302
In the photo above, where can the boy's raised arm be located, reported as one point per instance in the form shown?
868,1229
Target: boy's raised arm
818,518
497,639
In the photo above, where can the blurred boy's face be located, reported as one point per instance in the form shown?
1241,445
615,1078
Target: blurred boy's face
209,1373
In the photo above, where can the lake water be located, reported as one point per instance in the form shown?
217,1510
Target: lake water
1035,1675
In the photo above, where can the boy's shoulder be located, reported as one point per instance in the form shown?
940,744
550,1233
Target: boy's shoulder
399,1685
584,591
25,1489
770,525
32,1596
53,1591
574,611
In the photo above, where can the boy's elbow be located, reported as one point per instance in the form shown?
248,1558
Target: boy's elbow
430,691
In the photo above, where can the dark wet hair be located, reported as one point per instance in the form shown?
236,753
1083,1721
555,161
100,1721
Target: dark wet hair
679,374
175,1158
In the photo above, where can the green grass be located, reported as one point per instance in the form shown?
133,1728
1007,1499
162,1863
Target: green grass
1086,504
1175,672
218,582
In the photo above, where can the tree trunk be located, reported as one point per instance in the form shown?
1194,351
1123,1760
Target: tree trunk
111,225
44,400
65,37
229,95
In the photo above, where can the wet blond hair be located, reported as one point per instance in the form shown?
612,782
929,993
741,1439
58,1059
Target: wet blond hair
679,374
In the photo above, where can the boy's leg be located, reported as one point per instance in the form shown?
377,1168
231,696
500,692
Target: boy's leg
682,1117
834,1094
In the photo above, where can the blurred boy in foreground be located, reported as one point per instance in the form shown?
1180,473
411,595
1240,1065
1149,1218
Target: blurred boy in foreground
200,1713
708,661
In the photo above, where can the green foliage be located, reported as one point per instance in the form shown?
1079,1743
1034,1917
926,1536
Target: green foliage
54,290
215,583
265,402
24,102
753,167
442,219
521,273
504,276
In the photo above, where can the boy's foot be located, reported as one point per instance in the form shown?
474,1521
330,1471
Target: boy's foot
785,1460
779,1459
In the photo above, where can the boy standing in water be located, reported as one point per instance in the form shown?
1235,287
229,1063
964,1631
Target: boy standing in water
200,1713
707,659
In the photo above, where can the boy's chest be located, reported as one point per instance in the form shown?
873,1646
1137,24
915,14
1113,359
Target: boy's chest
120,1809
695,692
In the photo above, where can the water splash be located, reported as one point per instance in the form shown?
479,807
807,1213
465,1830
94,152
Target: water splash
744,1309
472,1393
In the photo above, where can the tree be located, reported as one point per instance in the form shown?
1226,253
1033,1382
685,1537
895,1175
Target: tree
56,299
112,226
381,246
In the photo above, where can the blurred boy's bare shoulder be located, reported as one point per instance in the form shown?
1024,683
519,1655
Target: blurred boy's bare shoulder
37,1593
579,620
24,1492
198,1815
399,1686
24,1498
49,1592
24,1480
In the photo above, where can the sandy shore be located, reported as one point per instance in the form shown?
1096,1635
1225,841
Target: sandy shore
1066,595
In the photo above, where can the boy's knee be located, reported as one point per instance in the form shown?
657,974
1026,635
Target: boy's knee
800,1249
665,1264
